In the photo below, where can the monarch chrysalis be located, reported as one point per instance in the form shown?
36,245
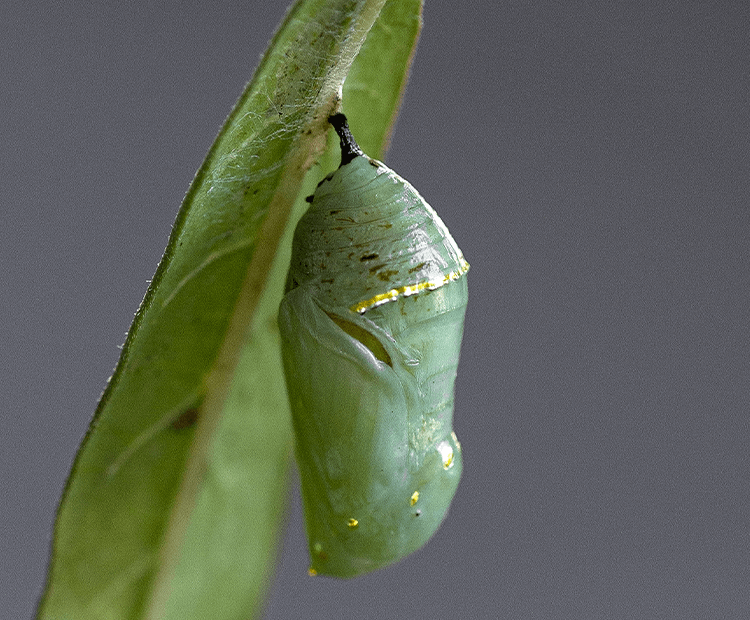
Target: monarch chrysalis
371,327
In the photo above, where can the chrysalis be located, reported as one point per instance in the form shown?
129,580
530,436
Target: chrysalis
371,327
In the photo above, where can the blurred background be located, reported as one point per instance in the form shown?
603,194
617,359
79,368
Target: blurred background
592,161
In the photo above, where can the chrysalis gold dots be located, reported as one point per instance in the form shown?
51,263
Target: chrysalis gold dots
446,453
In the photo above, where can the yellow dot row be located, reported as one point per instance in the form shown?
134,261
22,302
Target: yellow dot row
410,289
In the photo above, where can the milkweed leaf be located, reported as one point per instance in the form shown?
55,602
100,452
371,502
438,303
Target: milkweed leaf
177,494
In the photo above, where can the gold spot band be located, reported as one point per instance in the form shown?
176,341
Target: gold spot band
410,289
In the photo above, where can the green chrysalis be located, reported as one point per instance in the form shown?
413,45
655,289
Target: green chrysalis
371,327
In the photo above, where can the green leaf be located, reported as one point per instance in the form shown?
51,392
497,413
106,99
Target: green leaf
177,495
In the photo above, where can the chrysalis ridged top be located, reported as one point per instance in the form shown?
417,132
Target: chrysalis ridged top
369,233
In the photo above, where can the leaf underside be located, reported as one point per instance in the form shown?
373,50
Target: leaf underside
178,493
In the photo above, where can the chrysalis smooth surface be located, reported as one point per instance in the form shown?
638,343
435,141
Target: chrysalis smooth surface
371,327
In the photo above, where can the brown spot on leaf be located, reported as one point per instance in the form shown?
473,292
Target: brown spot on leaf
186,419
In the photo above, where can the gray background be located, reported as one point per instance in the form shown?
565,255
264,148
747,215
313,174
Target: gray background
591,159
